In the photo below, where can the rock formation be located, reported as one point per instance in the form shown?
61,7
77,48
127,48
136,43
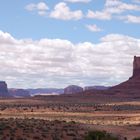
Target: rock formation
3,89
132,85
19,93
136,68
73,89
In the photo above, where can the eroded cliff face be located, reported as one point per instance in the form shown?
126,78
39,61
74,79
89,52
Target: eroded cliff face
3,89
136,67
132,85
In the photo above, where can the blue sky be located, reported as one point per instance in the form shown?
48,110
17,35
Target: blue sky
85,30
22,23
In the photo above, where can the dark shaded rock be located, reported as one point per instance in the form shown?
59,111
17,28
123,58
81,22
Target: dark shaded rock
136,67
3,89
73,89
132,85
19,93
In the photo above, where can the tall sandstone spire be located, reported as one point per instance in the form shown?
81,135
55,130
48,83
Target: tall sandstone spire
136,67
132,85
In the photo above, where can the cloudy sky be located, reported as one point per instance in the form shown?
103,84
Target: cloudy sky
55,43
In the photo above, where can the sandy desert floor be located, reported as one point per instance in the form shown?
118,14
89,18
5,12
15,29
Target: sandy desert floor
121,118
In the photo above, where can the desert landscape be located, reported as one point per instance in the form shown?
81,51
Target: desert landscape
77,114
121,119
69,69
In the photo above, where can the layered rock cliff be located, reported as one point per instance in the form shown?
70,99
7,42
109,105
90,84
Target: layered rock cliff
4,90
136,68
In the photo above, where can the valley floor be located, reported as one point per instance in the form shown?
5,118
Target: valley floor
119,118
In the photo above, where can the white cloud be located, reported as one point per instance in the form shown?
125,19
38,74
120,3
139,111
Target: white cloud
57,63
117,6
74,1
93,28
63,12
137,1
40,7
111,9
101,15
131,19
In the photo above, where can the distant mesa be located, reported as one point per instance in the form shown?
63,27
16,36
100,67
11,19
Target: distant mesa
72,89
4,90
95,88
19,93
133,83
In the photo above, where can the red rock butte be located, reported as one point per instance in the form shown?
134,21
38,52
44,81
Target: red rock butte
136,67
132,85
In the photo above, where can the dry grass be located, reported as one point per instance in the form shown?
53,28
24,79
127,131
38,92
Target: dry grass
115,117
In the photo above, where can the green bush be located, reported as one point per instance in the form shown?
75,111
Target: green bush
137,138
99,135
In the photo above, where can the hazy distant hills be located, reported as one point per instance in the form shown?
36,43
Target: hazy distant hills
46,91
96,87
68,90
19,93
71,89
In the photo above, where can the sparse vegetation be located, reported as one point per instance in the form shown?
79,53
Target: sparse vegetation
66,117
99,135
137,138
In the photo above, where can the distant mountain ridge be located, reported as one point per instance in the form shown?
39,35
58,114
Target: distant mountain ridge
96,87
19,93
45,91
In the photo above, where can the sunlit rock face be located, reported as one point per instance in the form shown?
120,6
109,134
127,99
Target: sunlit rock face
3,89
73,89
133,83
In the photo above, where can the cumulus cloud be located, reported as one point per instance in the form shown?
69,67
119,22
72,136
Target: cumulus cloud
40,7
101,15
93,28
74,1
58,63
111,9
131,19
117,6
63,12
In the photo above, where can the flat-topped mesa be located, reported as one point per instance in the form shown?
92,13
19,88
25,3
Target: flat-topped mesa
136,67
72,89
